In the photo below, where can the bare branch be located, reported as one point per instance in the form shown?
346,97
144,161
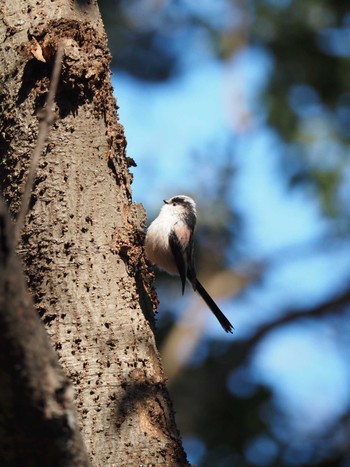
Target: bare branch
334,306
47,117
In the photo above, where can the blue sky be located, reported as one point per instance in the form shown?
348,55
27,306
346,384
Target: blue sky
165,124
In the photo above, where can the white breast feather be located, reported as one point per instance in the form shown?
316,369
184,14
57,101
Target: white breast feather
157,246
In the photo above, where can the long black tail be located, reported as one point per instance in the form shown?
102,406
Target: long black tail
225,323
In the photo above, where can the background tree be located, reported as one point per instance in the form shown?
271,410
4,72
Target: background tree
81,246
303,102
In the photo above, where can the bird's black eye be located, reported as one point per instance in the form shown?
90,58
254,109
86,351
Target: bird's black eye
174,204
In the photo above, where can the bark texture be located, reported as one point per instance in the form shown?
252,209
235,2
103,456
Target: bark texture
38,422
82,243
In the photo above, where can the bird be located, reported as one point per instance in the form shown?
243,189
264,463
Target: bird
169,245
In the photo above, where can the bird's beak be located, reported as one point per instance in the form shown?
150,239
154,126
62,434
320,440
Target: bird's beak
165,201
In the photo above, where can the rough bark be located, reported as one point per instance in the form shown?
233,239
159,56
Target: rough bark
82,243
38,422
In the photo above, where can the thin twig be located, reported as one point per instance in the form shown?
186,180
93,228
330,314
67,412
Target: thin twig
47,117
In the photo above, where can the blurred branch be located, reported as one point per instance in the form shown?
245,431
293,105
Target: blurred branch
331,307
188,331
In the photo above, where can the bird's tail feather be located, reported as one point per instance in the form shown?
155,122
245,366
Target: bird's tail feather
225,323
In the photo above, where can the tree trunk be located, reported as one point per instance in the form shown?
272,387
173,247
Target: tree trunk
82,242
38,423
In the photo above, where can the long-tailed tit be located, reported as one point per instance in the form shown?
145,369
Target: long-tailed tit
169,245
